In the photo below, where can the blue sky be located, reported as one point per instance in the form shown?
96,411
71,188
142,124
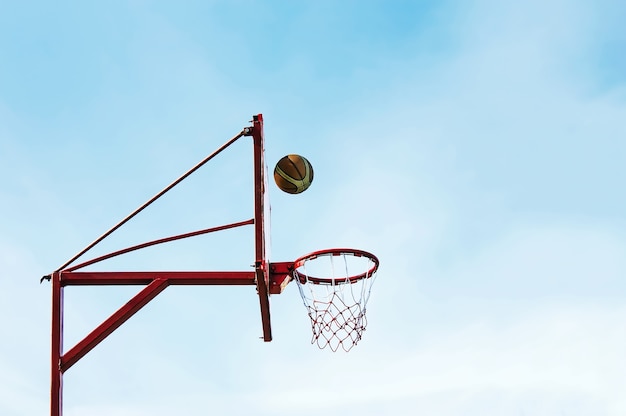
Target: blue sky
476,147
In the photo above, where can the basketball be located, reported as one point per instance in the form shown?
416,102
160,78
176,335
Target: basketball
293,174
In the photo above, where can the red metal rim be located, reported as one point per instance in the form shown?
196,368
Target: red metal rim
304,278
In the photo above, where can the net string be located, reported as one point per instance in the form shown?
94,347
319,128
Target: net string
337,313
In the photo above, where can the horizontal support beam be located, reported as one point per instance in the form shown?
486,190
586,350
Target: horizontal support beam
226,278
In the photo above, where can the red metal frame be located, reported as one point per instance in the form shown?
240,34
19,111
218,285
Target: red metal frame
268,277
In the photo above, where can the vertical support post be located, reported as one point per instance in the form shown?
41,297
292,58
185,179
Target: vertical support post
56,389
261,263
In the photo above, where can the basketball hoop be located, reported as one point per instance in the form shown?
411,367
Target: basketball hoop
335,286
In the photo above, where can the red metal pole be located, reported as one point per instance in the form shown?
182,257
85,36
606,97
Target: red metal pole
225,278
261,263
56,389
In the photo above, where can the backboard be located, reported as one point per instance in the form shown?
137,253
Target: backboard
261,224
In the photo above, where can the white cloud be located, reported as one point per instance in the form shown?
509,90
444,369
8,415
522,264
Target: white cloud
543,362
534,261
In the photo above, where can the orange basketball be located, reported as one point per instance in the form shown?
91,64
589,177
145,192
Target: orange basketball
293,174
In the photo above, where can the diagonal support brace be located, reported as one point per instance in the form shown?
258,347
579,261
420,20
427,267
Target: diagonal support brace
105,329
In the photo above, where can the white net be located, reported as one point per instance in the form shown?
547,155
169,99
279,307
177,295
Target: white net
335,287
